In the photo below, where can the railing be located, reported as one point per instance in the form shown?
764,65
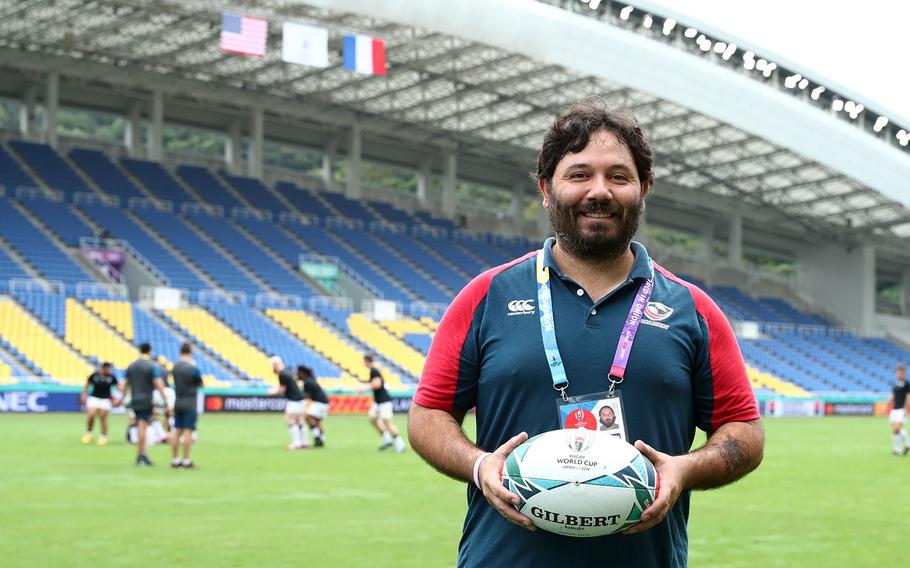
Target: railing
299,218
195,208
421,309
343,222
147,296
388,227
271,300
341,302
150,203
806,329
120,244
36,284
30,192
212,295
347,270
92,198
251,213
96,289
430,230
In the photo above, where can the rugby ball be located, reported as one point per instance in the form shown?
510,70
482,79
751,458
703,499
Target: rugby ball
580,482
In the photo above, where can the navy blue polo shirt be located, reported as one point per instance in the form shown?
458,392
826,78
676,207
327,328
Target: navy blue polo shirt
685,371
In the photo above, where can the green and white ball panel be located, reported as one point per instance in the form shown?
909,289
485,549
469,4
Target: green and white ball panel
580,482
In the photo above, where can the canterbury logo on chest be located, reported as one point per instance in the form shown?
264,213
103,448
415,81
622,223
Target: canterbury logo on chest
521,307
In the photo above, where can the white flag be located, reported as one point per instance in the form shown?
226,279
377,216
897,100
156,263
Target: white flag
306,45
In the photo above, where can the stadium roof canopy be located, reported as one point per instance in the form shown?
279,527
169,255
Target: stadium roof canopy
485,78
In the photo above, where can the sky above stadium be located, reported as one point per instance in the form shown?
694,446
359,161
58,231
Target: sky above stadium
861,46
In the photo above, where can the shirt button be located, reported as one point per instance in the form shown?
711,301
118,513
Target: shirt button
593,312
581,292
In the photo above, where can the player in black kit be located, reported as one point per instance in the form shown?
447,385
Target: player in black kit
900,404
381,409
318,407
293,410
98,402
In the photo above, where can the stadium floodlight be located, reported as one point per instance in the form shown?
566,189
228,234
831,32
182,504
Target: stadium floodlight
903,137
817,92
669,24
691,32
625,13
804,83
837,105
880,123
790,82
703,43
849,106
761,64
857,109
769,69
728,53
749,64
595,4
647,21
720,47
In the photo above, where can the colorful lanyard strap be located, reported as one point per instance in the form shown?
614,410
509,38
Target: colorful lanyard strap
548,330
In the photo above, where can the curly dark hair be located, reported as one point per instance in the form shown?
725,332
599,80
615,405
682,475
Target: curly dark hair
572,130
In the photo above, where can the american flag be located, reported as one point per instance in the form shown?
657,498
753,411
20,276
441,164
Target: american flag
244,35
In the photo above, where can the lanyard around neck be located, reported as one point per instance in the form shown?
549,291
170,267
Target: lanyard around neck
548,330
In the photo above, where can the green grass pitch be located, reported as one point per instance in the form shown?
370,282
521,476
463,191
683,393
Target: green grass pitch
828,494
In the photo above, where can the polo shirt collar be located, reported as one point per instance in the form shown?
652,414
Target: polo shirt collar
641,268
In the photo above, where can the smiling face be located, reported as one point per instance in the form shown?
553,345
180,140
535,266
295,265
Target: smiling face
595,199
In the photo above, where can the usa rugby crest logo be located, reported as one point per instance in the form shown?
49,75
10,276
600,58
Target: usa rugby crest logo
657,311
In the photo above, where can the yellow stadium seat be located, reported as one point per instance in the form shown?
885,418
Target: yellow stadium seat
761,379
326,342
41,346
381,341
405,325
118,313
430,323
211,331
90,337
6,373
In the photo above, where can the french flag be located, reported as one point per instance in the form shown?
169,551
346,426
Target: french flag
364,54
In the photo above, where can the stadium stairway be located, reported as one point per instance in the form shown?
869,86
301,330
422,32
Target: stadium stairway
325,243
332,346
261,264
205,254
38,347
44,252
168,261
95,339
413,332
106,175
52,169
223,341
371,248
381,341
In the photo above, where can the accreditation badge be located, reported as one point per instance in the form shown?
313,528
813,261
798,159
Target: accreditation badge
601,411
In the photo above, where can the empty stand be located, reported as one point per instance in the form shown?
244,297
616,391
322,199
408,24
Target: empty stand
256,192
209,188
158,181
53,169
106,175
94,340
381,341
12,175
303,200
59,218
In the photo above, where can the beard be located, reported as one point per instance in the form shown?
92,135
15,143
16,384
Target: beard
603,243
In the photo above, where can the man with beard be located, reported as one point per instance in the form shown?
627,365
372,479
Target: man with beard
584,294
608,418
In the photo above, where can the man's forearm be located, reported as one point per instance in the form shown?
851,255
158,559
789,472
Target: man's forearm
731,452
437,436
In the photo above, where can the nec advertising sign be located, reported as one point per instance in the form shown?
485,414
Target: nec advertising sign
38,401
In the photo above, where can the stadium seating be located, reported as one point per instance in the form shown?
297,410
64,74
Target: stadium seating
96,341
209,188
271,338
413,332
117,313
349,208
327,244
158,181
9,268
391,214
224,342
53,169
43,352
256,192
222,270
12,175
325,341
282,278
381,341
32,243
59,218
106,175
303,200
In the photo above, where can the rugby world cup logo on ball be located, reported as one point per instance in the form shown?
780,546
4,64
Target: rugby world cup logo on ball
580,482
